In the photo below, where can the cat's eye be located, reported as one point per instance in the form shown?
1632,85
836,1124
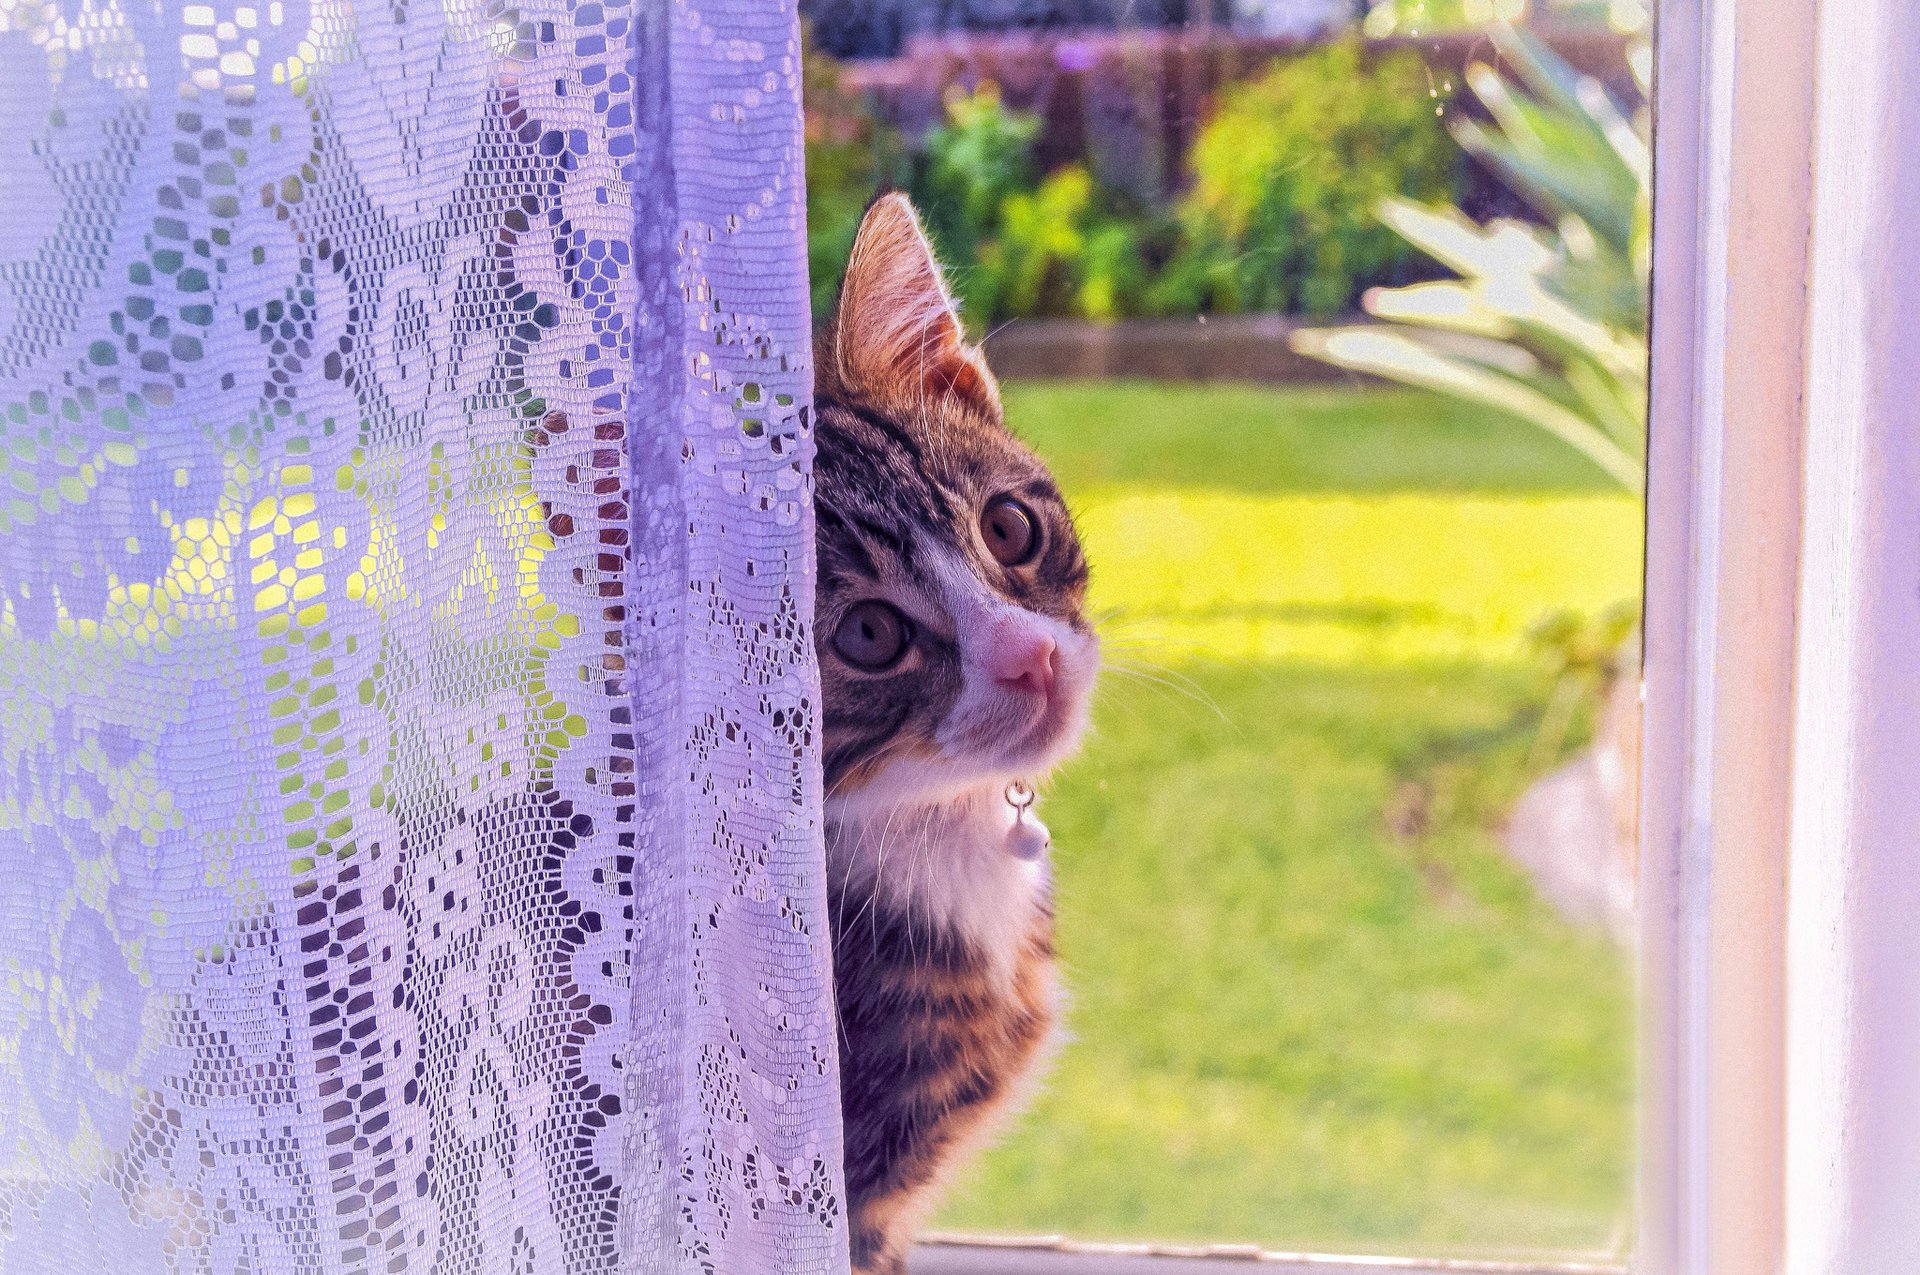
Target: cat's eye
1011,531
872,636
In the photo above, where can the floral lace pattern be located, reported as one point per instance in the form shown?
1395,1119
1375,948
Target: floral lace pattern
409,800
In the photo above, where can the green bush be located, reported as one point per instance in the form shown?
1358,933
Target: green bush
1057,251
1288,176
1024,245
1414,18
974,161
1547,322
1286,179
850,156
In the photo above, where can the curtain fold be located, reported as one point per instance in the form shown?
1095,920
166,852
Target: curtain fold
409,796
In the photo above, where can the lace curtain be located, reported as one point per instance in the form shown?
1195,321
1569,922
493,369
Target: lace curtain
409,810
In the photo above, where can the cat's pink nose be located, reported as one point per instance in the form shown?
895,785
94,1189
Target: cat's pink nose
1022,661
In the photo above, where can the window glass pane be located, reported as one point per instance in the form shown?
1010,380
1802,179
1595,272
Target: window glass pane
1329,318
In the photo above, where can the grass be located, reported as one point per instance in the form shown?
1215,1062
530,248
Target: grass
1313,1004
1387,577
1254,438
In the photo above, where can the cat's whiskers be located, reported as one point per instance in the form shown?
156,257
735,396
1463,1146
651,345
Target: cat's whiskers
874,764
836,790
886,846
997,329
1116,641
1170,679
914,863
916,844
879,879
880,868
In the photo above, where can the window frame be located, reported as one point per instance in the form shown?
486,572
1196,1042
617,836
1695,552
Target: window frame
1732,198
993,1255
1779,1125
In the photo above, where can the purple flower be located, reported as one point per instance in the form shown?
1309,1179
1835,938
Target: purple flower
1074,55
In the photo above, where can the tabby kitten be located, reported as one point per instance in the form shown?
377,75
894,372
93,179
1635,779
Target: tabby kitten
957,666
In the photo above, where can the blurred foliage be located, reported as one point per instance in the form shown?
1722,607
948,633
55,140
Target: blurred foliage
850,157
1583,655
1429,17
1287,178
975,161
1583,646
1017,243
1024,245
1546,323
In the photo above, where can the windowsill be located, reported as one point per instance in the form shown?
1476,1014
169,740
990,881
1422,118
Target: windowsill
969,1255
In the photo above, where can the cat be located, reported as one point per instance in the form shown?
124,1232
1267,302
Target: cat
957,665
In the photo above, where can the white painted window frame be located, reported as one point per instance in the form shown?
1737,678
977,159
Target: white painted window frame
1780,1111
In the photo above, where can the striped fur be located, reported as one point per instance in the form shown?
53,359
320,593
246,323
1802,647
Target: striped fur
943,941
934,1050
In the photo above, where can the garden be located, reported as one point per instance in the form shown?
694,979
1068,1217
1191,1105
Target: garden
1316,1002
1313,1004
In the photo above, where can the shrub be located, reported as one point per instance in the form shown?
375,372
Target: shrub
1057,250
850,156
1288,176
1021,245
1286,180
1549,325
1427,17
975,160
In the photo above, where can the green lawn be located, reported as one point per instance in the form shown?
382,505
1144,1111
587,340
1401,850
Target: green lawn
1263,439
1312,1005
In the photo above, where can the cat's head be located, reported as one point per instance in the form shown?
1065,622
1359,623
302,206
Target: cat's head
954,653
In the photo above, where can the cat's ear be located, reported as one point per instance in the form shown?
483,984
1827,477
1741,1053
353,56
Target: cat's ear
896,340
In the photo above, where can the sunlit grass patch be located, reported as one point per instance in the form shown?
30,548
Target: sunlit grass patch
1188,574
1264,439
1313,1005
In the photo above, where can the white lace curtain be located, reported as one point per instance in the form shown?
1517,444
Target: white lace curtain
409,812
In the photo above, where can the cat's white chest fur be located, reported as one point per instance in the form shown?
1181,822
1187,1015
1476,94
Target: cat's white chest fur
949,863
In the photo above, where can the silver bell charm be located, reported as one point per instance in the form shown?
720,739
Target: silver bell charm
1028,839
